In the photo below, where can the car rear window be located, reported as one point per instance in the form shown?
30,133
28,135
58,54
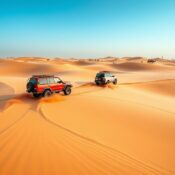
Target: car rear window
33,80
99,75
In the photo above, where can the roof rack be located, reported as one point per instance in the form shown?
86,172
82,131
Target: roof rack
42,75
104,71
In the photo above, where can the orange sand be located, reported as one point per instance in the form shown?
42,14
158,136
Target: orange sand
127,129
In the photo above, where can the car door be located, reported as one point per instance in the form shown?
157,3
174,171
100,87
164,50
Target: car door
110,77
59,85
52,84
107,76
42,84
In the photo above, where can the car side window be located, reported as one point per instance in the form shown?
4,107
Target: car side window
51,80
42,81
57,80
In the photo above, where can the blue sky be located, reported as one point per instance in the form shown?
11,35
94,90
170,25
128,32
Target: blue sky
87,28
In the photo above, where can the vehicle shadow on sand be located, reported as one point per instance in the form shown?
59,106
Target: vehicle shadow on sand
34,103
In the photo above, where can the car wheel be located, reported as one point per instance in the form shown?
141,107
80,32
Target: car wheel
67,90
97,83
47,93
115,81
108,82
36,95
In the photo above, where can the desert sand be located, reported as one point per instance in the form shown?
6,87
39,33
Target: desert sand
127,129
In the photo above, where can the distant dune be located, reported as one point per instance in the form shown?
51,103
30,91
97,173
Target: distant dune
82,63
14,67
134,66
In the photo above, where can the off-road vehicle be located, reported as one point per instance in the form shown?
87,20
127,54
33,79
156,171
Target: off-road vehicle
45,85
105,77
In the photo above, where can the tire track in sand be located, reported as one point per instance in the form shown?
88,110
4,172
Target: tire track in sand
105,150
125,159
14,123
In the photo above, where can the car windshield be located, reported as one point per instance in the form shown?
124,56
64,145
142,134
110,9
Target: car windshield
57,80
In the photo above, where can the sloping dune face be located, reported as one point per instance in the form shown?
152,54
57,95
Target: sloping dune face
24,68
164,87
6,92
134,66
128,129
6,89
82,63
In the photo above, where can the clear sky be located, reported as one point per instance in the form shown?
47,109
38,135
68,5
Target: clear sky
87,28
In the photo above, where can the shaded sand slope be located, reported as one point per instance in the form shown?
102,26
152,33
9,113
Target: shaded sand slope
5,89
16,68
6,92
134,66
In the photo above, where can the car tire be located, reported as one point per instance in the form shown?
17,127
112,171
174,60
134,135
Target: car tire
47,93
115,82
97,83
67,90
36,95
108,82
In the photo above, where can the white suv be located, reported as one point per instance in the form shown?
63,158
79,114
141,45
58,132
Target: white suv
105,77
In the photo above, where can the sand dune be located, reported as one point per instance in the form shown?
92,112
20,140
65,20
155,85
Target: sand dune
82,63
127,129
133,58
24,68
133,66
31,59
6,90
164,87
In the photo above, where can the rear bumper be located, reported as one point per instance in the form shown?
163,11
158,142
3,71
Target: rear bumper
34,91
100,81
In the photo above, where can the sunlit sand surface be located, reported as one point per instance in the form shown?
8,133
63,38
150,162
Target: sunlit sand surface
127,129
